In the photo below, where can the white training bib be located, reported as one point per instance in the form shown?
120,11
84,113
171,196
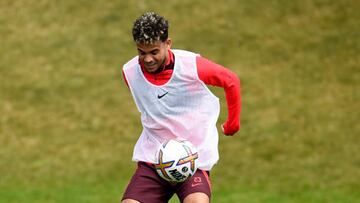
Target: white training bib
181,108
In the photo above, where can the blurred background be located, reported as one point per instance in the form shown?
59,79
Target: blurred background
68,122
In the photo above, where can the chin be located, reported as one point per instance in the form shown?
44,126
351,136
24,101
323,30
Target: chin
151,69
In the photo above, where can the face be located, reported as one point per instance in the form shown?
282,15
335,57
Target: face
153,56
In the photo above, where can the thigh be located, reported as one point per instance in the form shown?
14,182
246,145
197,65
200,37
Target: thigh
147,187
197,197
198,183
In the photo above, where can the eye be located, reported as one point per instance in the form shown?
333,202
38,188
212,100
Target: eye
141,52
154,52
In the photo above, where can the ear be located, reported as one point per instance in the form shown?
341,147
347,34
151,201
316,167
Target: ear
168,43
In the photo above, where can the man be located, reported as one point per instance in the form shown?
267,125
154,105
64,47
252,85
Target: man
169,89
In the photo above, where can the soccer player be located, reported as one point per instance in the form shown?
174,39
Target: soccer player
170,90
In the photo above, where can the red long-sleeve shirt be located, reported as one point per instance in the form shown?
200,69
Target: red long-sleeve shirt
211,74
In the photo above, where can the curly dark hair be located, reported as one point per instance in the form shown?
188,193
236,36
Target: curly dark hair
149,28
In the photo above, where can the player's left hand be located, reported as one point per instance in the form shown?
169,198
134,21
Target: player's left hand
225,132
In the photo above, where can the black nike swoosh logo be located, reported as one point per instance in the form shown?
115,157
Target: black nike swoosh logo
161,96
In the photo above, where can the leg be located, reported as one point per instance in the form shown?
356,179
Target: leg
129,201
147,186
197,197
197,189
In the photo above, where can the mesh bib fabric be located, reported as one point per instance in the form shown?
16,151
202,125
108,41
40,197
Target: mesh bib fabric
181,108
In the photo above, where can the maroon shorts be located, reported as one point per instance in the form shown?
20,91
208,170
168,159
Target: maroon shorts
147,186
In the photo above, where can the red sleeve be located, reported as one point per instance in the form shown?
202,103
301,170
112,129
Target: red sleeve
216,75
125,78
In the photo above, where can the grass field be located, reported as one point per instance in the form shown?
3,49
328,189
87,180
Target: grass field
68,123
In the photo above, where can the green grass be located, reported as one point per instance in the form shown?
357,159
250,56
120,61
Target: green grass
68,123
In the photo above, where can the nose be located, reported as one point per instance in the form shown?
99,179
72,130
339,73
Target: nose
148,59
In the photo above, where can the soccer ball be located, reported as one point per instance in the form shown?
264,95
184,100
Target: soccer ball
177,160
